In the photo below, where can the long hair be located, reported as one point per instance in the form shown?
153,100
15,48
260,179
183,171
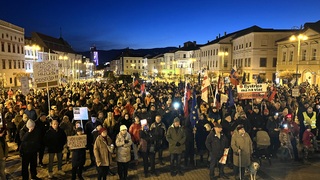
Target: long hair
109,120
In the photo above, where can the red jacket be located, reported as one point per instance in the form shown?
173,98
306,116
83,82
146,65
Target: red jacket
134,131
306,138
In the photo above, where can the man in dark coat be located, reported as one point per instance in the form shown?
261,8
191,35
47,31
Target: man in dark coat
30,143
216,143
43,125
90,126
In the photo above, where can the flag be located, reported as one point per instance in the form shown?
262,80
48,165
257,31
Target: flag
194,110
204,87
234,76
273,94
143,87
187,94
230,97
135,83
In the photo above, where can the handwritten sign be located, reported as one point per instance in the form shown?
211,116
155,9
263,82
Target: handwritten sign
46,72
77,142
25,85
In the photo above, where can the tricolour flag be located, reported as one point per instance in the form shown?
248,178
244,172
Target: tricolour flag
204,87
234,76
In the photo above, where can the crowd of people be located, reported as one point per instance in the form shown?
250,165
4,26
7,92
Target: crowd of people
127,122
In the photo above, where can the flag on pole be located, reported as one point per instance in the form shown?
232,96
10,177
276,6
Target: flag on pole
187,94
234,76
194,110
204,87
230,97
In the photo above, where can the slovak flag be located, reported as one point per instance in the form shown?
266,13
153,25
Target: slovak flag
234,76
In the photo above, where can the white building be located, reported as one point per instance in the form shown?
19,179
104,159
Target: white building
11,54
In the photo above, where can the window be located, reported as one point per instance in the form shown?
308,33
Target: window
304,54
245,62
18,48
139,61
14,48
22,50
10,64
216,63
225,64
284,55
249,62
263,62
2,46
274,62
9,47
135,61
314,54
22,64
249,44
3,64
185,56
14,64
291,56
10,80
127,61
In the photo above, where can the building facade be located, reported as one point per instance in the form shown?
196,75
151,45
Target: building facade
11,54
299,55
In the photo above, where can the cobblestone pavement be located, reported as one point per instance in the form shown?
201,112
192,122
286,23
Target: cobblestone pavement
289,170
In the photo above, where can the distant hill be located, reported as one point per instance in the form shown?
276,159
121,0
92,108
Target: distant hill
109,55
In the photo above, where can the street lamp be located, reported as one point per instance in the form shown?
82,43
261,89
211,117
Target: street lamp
298,38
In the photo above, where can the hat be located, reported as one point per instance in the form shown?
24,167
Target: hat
30,124
176,120
43,114
101,130
289,116
123,127
265,111
93,115
217,125
79,129
240,126
308,126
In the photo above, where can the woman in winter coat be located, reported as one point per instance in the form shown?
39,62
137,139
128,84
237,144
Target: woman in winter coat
78,158
134,131
103,149
123,143
55,139
241,144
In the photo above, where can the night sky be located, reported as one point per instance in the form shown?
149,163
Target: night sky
117,24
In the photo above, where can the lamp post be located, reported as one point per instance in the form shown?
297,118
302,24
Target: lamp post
298,38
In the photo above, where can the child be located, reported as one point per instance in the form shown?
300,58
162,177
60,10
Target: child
307,139
78,159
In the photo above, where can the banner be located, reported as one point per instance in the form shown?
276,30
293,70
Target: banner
252,91
77,142
46,73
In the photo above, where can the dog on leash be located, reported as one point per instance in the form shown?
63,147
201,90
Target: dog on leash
253,169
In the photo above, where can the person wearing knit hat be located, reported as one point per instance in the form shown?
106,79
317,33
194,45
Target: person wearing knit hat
123,127
29,149
176,137
241,145
123,154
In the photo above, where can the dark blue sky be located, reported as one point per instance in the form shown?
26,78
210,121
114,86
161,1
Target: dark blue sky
117,24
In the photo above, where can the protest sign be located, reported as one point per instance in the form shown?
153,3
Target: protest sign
77,142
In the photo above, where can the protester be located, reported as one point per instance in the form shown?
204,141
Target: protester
123,144
3,155
103,148
216,143
90,126
30,144
78,158
241,145
43,125
134,131
176,138
55,139
159,131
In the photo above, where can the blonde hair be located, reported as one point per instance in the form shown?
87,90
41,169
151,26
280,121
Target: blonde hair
109,120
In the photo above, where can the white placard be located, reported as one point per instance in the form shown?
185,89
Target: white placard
24,85
80,113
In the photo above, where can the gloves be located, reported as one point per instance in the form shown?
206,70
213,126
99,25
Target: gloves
126,141
178,144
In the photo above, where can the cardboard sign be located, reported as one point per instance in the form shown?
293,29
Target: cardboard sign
77,142
46,73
